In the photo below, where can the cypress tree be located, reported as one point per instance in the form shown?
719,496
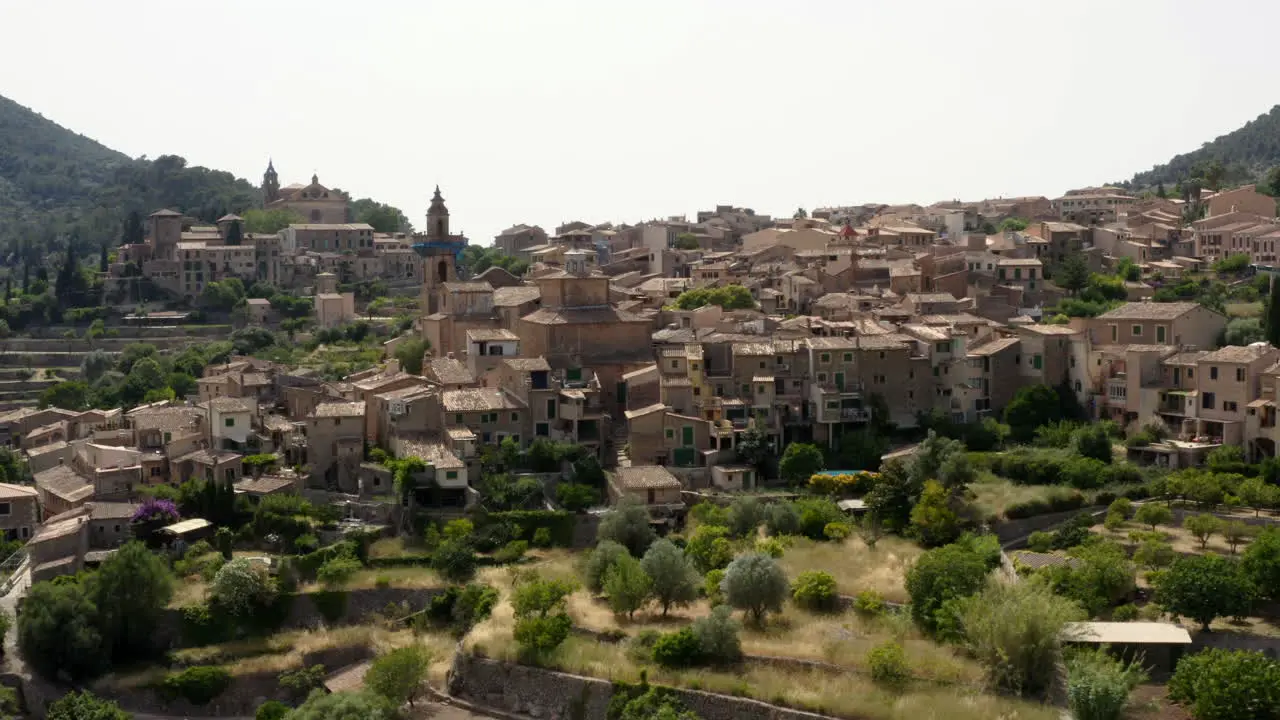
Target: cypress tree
1273,316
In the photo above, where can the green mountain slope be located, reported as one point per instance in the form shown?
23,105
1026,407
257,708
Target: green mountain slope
1245,154
56,184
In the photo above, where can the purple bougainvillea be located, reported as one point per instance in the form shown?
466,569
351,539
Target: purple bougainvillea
154,510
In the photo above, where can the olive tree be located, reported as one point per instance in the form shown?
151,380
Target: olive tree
628,525
674,581
755,584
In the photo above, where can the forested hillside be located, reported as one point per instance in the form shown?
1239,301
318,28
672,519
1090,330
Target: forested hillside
56,184
1244,155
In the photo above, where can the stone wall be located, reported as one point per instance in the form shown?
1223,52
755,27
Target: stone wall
1013,533
541,693
304,613
240,699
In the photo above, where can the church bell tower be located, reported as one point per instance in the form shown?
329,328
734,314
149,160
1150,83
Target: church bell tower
437,218
270,184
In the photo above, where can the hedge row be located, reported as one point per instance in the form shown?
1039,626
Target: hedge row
1057,502
1040,466
525,523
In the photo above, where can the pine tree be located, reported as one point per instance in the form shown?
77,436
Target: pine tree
102,260
1160,191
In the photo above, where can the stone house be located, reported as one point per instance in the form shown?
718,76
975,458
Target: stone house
335,444
19,511
652,485
1184,324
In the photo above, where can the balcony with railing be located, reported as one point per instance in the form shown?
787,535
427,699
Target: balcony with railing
832,411
1118,391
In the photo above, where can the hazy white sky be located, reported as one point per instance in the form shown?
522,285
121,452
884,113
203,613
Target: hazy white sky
549,110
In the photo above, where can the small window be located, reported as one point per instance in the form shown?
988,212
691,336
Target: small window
457,419
1239,374
1160,334
1213,372
515,417
229,422
1207,400
848,357
1037,362
6,508
671,434
451,475
824,357
833,405
541,429
168,437
1137,331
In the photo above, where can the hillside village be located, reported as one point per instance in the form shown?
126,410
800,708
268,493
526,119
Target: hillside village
815,461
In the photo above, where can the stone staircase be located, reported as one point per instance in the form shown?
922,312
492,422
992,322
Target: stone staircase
618,441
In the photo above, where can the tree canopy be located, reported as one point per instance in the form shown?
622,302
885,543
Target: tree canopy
728,297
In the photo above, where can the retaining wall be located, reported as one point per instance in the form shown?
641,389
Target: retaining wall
241,698
304,613
541,693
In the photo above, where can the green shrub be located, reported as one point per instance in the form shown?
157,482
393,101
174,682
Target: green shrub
711,587
1123,506
558,523
511,552
815,590
1059,501
1098,685
1125,613
542,537
773,547
332,604
271,710
306,543
889,666
299,683
816,514
1222,684
382,582
869,603
717,636
198,685
338,571
473,605
678,649
781,519
837,531
538,635
1040,541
